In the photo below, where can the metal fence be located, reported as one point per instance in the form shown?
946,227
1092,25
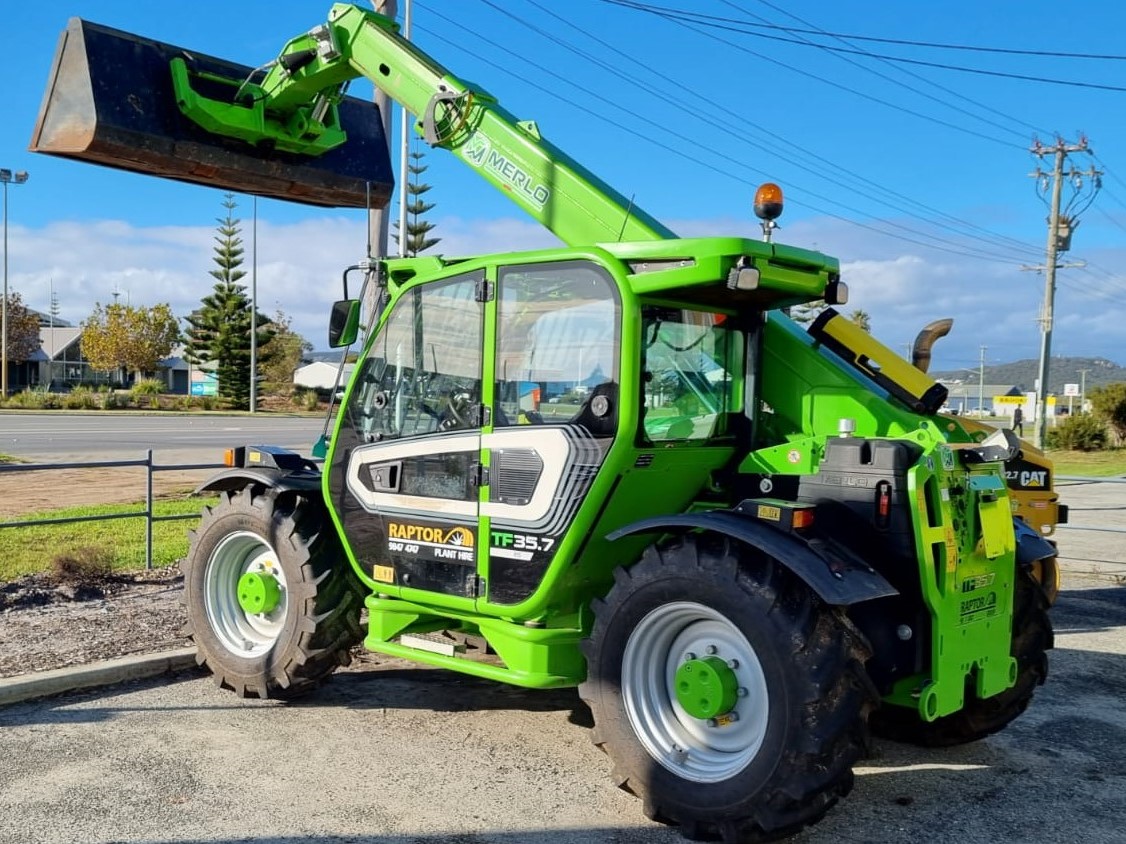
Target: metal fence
151,518
147,514
1078,480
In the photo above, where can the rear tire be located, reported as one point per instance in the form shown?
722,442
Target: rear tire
803,694
1032,638
311,620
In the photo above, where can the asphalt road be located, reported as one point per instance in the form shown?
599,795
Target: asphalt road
195,438
398,754
420,756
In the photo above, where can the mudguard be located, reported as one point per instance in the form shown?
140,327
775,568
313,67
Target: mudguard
1031,546
302,480
837,576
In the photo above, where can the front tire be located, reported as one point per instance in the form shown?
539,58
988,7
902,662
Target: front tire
273,605
778,753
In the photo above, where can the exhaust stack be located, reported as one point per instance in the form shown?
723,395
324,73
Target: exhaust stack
921,350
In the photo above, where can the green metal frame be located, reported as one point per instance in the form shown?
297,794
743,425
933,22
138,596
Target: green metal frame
801,389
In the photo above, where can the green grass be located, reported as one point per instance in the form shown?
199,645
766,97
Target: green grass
1095,464
25,550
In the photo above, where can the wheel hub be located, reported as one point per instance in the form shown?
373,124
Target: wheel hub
258,592
707,688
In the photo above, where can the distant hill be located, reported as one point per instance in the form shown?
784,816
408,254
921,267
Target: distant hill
1023,373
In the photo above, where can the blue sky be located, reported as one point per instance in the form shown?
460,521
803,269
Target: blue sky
915,177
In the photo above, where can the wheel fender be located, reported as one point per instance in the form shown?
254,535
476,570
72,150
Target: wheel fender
280,480
1031,546
836,576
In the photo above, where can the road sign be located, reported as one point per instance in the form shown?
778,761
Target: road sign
1071,389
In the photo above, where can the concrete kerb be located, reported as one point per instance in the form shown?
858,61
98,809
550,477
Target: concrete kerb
107,673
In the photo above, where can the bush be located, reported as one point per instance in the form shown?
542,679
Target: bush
34,399
109,401
309,400
1078,433
146,387
86,566
80,398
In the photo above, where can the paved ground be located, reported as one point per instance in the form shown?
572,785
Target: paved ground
415,756
1094,540
418,756
194,438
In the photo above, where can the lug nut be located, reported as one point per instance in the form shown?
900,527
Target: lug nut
712,649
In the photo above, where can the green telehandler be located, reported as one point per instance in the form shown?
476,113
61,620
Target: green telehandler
616,465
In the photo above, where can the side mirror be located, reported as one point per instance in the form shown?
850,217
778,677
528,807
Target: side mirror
344,323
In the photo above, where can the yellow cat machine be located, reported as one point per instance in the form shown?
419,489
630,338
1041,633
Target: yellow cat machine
1029,475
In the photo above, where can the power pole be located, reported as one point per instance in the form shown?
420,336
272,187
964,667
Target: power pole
378,217
981,385
1082,388
1061,225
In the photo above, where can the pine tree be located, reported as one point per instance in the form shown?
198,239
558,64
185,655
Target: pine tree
220,328
418,229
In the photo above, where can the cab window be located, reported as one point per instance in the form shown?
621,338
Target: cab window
557,346
422,373
689,364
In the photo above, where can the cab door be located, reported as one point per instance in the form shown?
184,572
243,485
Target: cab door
556,378
405,469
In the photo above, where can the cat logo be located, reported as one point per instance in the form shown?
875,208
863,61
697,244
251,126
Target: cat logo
1028,478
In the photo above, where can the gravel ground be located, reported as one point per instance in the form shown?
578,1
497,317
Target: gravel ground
46,624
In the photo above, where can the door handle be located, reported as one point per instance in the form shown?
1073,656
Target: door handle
385,476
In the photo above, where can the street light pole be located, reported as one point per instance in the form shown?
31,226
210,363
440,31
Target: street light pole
19,177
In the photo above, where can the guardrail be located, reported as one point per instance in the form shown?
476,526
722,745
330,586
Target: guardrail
148,515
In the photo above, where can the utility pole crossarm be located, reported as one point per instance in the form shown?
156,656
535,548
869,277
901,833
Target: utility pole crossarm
1060,229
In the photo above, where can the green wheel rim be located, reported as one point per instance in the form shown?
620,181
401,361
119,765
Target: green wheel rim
240,559
700,749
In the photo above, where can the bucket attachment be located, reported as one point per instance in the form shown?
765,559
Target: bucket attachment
110,100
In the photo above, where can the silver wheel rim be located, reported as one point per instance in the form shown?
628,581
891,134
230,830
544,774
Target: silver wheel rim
692,748
243,634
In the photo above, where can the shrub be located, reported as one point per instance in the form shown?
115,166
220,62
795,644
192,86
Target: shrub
87,566
80,398
1078,433
34,399
309,400
147,387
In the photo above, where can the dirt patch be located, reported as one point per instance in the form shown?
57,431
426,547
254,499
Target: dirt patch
46,624
24,493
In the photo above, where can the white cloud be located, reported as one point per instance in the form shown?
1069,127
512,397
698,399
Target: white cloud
901,286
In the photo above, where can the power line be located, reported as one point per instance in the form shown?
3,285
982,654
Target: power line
932,44
775,61
771,146
1014,120
929,241
677,14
